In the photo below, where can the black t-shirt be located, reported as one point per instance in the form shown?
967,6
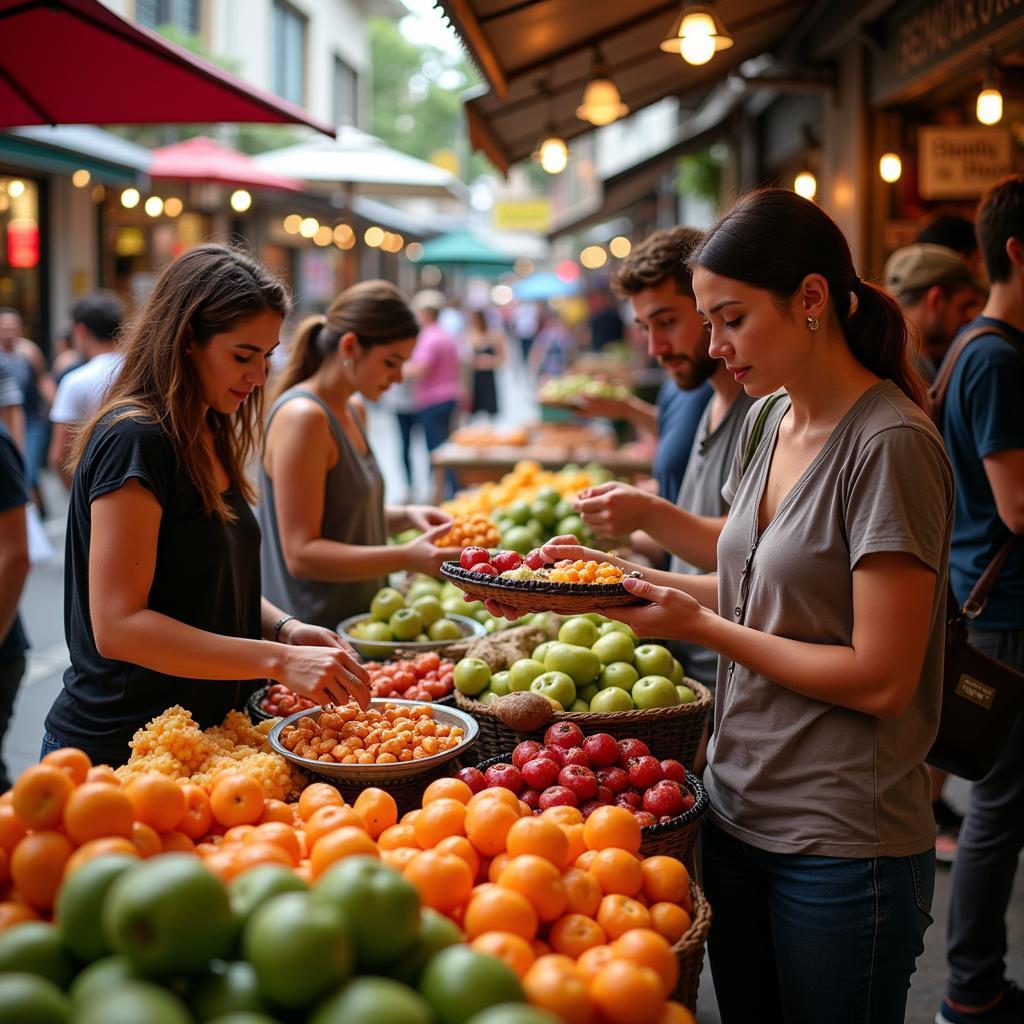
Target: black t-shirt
207,575
12,495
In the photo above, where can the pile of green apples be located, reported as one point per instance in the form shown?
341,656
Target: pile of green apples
417,617
576,385
525,525
596,664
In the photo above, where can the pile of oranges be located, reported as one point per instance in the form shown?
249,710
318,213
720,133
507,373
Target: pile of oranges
582,571
475,530
522,483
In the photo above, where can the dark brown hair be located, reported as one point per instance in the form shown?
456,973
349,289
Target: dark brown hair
372,310
209,289
1000,218
773,239
660,256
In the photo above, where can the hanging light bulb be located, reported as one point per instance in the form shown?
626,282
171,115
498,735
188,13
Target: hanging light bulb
602,103
697,34
805,184
989,108
553,154
890,167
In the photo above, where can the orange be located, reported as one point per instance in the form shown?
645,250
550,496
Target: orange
617,871
496,866
563,815
71,760
146,839
584,860
541,838
39,795
157,800
540,947
612,826
676,1013
328,818
102,773
101,848
438,820
499,793
223,863
461,847
670,920
396,837
554,984
443,880
317,795
378,810
617,914
95,809
493,908
574,934
236,799
511,949
665,878
176,842
12,913
12,828
347,841
539,881
648,948
399,857
627,993
281,835
198,816
4,866
577,842
37,865
488,823
276,810
238,834
446,789
594,960
252,854
583,891
409,818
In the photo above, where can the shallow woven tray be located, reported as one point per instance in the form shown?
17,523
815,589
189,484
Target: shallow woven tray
539,595
689,950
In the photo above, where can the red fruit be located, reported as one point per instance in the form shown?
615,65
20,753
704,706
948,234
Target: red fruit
507,776
644,772
531,797
505,560
525,751
557,796
673,770
588,808
535,559
473,556
632,748
552,753
485,569
645,818
576,755
581,781
540,772
664,820
667,798
614,778
631,799
602,750
472,777
604,795
564,734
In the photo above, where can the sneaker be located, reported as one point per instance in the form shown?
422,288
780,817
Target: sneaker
945,817
1009,1010
945,847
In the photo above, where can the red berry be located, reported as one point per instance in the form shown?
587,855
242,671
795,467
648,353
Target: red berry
525,751
576,755
602,750
564,734
588,808
535,559
472,777
473,556
645,818
673,770
604,795
632,748
667,798
631,799
485,569
644,771
557,796
614,778
540,772
506,776
503,561
531,797
553,753
581,781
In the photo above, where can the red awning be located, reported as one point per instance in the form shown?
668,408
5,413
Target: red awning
76,62
206,160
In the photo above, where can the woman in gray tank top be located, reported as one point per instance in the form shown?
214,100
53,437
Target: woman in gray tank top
325,525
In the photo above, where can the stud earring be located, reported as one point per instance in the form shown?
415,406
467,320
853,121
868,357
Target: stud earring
347,363
812,323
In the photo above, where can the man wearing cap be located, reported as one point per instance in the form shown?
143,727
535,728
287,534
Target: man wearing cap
938,294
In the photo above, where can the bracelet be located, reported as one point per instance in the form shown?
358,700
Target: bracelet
279,625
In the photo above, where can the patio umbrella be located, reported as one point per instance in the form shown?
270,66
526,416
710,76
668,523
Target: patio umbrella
462,248
207,160
544,285
76,62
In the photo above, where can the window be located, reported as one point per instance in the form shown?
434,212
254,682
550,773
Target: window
288,42
345,93
182,14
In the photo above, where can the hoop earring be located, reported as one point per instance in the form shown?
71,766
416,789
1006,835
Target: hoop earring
812,323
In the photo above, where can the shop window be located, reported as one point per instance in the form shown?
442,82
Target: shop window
20,278
345,93
289,49
182,14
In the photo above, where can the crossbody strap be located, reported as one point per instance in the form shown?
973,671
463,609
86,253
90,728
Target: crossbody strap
757,432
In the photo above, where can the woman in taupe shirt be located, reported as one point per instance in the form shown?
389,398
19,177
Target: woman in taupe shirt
828,615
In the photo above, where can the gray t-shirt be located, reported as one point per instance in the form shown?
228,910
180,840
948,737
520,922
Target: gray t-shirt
707,470
787,773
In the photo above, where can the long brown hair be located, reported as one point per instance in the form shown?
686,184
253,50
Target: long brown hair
773,239
207,290
374,311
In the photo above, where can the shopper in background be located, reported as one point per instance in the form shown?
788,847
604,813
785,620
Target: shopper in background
554,348
983,426
12,414
604,325
95,324
954,232
525,324
325,527
489,354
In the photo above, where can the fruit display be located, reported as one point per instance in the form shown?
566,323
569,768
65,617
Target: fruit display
398,618
510,565
280,701
472,529
425,677
382,734
568,389
485,436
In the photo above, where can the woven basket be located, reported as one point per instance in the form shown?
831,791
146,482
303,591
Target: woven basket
689,950
672,732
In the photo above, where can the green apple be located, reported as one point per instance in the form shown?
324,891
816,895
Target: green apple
613,647
579,705
543,513
555,686
444,629
587,692
522,673
385,603
499,683
421,638
379,632
423,587
541,650
406,624
616,627
619,674
454,606
578,662
472,676
429,608
518,513
611,699
653,660
487,698
686,695
473,608
677,671
563,509
481,616
654,692
549,495
579,631
573,524
596,618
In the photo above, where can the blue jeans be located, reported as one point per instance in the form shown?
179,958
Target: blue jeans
50,744
436,421
805,940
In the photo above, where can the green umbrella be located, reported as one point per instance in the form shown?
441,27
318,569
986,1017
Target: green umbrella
464,249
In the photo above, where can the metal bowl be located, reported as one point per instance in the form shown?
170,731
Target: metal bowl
371,773
383,649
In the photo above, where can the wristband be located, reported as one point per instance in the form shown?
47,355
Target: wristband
279,625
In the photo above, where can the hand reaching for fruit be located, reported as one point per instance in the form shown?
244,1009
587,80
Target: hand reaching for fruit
426,517
670,614
424,555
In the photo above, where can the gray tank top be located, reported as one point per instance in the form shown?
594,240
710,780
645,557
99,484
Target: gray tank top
353,514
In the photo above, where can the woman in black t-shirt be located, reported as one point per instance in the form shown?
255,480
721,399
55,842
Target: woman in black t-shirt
162,598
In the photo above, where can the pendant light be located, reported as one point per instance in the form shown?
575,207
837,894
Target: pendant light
989,107
602,103
697,34
551,153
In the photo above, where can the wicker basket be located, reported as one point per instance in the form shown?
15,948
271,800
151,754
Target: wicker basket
689,950
673,732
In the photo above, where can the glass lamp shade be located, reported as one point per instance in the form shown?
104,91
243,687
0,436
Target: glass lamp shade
553,154
602,103
697,35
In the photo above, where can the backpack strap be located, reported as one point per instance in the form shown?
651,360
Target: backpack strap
937,394
757,431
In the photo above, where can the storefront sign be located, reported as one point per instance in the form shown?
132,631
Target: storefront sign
962,162
522,215
22,244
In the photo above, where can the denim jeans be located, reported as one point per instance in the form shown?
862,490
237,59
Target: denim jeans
809,940
50,744
436,421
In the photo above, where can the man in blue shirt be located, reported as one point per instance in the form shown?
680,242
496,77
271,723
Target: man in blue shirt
983,426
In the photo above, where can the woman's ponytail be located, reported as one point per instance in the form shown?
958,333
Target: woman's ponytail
305,354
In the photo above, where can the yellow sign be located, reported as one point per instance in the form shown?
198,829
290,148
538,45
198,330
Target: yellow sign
522,215
447,160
